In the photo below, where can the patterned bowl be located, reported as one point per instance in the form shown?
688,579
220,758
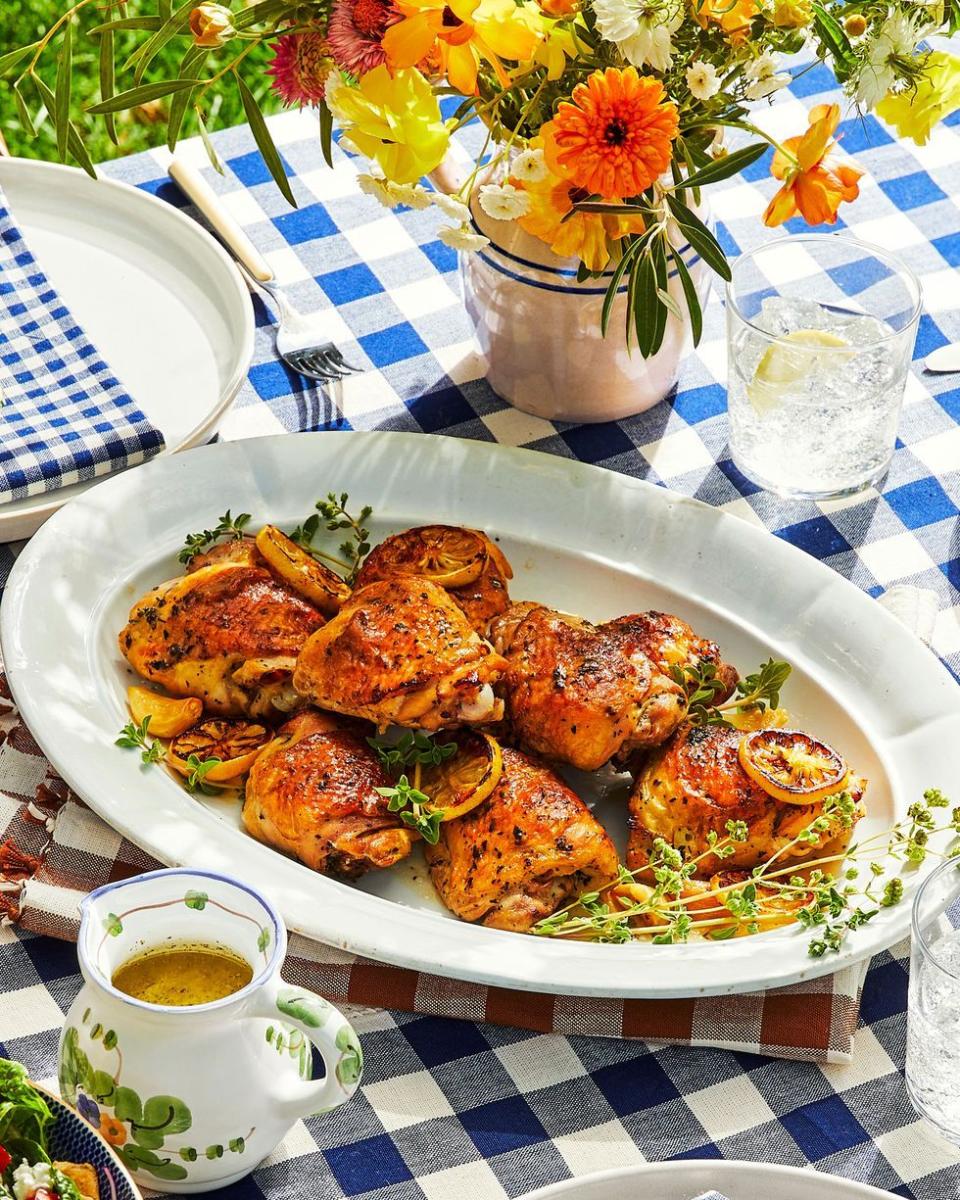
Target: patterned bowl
73,1140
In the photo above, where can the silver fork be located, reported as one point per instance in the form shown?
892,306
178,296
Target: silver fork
300,336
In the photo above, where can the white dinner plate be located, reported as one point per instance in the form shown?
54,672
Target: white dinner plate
156,294
580,538
690,1179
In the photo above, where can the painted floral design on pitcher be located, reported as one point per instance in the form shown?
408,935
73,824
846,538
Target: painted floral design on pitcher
197,1096
137,1129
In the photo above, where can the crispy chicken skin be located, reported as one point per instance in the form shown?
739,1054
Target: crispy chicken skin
240,551
227,633
585,694
313,795
694,784
481,598
401,652
532,846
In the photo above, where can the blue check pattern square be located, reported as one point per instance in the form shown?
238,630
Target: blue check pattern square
64,417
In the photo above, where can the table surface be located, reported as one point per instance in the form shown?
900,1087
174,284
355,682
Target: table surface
453,1108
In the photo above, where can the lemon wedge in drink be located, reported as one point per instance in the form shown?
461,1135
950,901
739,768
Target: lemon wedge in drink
782,366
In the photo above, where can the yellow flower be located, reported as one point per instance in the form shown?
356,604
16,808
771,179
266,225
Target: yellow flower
211,25
792,14
914,113
557,46
462,32
587,236
394,120
733,16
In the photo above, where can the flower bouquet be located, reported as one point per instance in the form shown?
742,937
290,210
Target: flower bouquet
603,120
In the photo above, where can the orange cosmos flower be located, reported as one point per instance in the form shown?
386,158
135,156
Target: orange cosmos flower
815,183
461,33
733,16
614,136
586,236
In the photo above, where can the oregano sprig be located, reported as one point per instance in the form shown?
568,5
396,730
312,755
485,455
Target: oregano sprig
227,527
136,737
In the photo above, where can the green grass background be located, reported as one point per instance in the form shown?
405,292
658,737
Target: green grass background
24,21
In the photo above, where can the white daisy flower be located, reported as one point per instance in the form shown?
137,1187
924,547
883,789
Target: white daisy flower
530,166
703,80
763,77
503,201
451,207
376,186
641,29
462,237
897,38
413,195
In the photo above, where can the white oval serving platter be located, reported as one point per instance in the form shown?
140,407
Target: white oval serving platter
580,538
691,1179
156,294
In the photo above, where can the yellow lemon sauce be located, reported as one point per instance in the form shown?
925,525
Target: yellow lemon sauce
183,974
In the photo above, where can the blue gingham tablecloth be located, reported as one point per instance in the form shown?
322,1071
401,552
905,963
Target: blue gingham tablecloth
64,417
453,1109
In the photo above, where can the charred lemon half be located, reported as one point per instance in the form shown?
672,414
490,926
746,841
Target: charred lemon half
459,784
301,571
792,766
447,555
235,743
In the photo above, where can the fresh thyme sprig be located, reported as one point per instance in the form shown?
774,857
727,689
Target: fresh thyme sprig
227,527
332,512
754,693
824,895
134,737
200,768
410,804
415,749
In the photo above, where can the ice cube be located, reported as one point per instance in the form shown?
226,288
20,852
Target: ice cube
786,314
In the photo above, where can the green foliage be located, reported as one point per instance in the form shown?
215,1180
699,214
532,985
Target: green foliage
23,23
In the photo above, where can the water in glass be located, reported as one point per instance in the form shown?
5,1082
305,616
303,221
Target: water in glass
933,1033
814,396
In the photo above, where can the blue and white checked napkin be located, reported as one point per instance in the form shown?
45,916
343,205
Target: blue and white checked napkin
64,416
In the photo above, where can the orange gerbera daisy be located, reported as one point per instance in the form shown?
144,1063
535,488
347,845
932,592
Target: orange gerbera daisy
733,16
613,137
587,236
815,183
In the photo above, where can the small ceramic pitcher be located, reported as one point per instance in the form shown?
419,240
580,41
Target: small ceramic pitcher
194,1098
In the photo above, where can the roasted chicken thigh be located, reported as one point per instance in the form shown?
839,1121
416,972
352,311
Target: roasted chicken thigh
227,633
529,848
312,794
694,785
585,694
401,652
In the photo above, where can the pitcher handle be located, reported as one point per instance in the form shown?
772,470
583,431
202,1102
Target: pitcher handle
328,1030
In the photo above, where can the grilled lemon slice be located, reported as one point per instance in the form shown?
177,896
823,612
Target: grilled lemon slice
791,765
460,783
301,571
235,743
168,715
449,556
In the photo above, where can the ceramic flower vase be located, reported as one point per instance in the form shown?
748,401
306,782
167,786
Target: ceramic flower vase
194,1098
539,329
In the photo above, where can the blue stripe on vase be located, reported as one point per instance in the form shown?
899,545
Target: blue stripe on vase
553,287
565,272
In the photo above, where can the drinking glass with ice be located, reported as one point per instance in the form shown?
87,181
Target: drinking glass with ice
820,334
